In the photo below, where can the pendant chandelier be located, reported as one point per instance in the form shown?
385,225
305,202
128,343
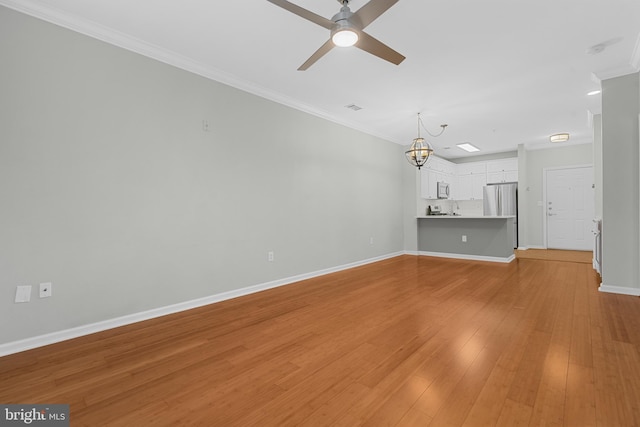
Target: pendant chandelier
420,150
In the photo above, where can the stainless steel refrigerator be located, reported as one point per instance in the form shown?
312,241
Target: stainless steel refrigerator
501,200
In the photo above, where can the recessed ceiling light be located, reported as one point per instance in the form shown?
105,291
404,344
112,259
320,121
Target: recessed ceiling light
468,147
594,92
559,137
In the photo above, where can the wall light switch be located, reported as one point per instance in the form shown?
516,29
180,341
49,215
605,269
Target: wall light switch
46,290
23,293
464,238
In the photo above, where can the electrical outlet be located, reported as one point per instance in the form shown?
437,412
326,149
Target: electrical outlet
205,125
270,256
23,293
464,238
46,289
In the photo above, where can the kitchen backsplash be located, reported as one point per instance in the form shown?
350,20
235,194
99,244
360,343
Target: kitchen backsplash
462,207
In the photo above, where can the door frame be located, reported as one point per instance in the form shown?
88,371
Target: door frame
545,218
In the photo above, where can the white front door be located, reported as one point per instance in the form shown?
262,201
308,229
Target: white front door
569,209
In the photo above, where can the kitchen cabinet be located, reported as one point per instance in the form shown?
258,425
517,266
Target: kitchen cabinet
465,180
428,184
436,170
474,168
471,178
503,170
470,186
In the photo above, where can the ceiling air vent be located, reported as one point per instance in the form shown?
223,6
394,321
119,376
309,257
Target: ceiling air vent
353,107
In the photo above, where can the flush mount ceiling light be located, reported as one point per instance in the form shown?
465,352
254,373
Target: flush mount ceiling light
470,148
559,137
594,92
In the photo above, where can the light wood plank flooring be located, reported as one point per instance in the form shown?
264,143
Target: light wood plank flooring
556,255
409,341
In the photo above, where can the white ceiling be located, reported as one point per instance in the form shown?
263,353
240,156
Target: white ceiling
498,72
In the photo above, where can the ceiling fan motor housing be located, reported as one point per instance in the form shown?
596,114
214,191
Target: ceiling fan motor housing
346,17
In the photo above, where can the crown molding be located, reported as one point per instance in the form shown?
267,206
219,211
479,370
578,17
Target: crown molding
534,146
632,67
612,73
124,41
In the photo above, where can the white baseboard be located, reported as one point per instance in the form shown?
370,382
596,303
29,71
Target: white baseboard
524,248
468,257
415,253
619,290
67,334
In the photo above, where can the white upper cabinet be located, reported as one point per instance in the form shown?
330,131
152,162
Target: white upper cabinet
475,168
436,170
470,186
471,178
465,180
503,170
428,184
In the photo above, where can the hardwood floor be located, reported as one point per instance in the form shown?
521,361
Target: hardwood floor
409,341
556,255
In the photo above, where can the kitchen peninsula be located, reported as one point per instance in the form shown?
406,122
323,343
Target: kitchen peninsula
477,237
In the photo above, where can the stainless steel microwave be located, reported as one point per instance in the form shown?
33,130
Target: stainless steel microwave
443,190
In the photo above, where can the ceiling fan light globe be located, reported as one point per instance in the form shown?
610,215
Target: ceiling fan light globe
344,38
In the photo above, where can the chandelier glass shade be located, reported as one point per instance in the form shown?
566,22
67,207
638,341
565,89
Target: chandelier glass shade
420,150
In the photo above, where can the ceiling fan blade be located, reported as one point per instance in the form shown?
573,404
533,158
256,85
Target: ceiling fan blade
317,55
377,48
372,10
304,13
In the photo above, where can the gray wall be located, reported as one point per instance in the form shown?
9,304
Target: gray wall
111,189
620,109
525,212
485,237
597,163
530,189
410,179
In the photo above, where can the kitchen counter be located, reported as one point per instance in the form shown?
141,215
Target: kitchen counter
465,217
477,237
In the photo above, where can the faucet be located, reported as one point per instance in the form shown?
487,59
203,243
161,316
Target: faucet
453,207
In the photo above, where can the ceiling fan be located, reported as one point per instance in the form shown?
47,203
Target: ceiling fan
347,29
